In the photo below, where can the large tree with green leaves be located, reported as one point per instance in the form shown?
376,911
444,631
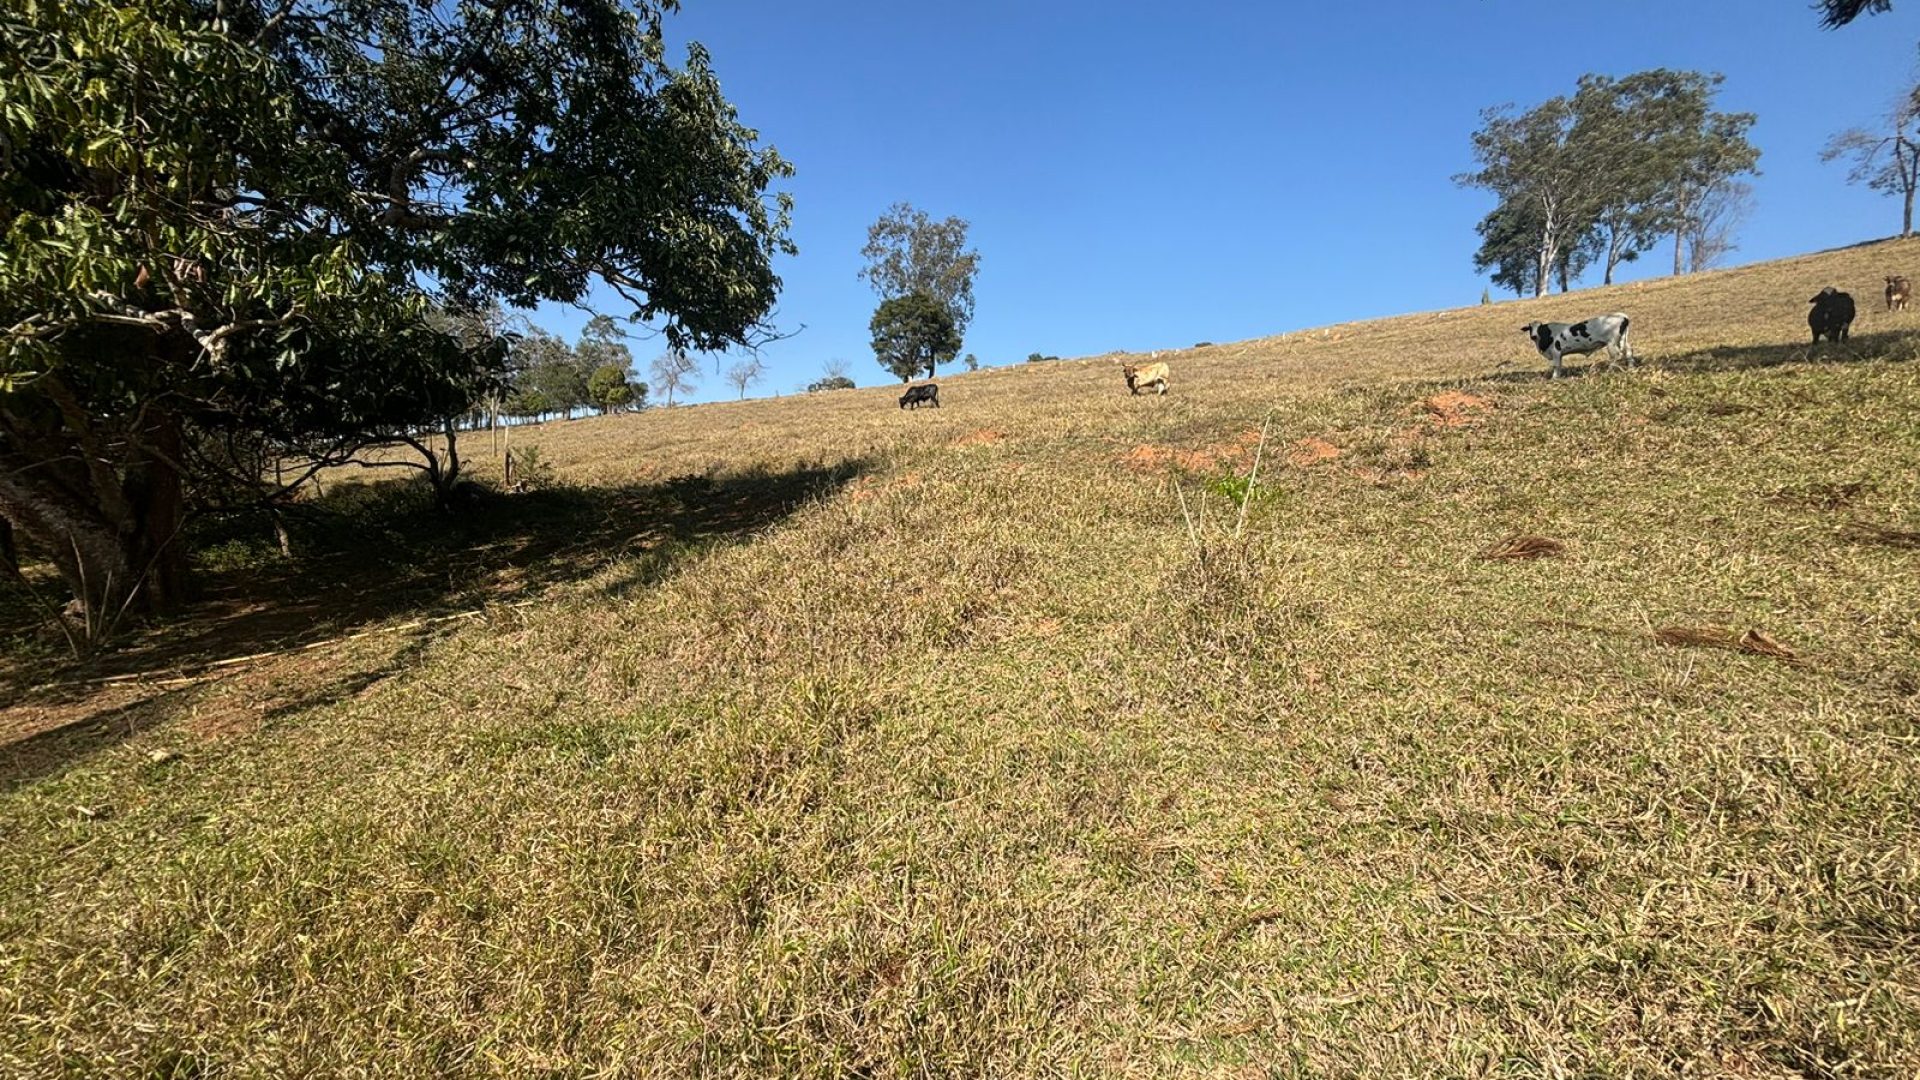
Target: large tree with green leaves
1601,176
548,376
1509,251
912,334
1705,151
603,344
908,252
1668,157
1617,117
611,387
235,217
1546,179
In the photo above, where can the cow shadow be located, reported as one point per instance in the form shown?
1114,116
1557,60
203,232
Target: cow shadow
376,557
1874,347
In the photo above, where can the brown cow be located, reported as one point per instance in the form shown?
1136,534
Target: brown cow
1897,292
1145,376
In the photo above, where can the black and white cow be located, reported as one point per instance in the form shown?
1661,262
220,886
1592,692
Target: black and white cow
1831,316
1558,339
921,395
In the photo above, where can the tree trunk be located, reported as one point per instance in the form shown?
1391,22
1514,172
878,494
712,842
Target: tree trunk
1906,215
111,522
91,555
159,501
453,458
9,554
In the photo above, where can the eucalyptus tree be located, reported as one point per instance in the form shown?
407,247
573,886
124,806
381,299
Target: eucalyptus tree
909,253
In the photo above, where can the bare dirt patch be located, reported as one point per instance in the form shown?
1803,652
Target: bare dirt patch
1232,454
1454,408
1311,451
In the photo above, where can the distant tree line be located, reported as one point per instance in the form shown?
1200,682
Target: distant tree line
548,377
1600,177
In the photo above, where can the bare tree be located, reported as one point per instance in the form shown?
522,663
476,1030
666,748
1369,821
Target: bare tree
673,373
1716,220
1888,159
745,374
835,368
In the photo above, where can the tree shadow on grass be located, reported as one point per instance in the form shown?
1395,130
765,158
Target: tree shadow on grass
375,558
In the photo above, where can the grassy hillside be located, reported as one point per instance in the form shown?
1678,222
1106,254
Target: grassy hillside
1040,735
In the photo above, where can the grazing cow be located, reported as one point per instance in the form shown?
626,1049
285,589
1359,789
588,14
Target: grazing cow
1897,293
1557,339
917,396
1142,376
1831,316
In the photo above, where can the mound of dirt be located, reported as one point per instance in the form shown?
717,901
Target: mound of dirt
1234,454
1454,408
1150,458
1311,451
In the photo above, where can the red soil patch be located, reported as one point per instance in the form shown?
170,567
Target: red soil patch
1234,454
1311,451
1454,408
982,437
1149,458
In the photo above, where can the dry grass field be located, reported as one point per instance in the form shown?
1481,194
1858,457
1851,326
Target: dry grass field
1052,733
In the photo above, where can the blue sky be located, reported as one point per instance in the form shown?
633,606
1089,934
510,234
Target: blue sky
1145,176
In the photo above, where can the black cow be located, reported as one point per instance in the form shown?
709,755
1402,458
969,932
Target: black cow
1831,316
921,395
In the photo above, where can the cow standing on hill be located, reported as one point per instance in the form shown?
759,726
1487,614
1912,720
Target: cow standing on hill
1897,293
1140,377
1556,340
921,395
1832,315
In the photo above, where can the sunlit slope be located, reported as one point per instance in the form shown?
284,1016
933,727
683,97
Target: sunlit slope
1008,739
1742,316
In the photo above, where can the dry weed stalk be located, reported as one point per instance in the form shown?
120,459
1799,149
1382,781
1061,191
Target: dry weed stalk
1522,546
1754,642
1867,532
